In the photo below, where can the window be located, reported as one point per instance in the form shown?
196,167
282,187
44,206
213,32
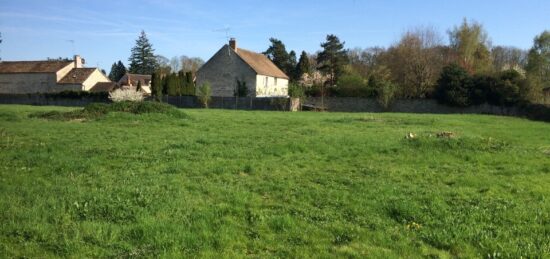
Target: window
275,81
265,81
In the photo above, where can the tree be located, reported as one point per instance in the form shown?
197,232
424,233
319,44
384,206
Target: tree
190,64
175,64
174,85
470,44
241,90
303,66
415,62
142,60
279,56
505,58
454,86
332,59
204,93
538,66
118,70
163,65
138,87
292,66
156,85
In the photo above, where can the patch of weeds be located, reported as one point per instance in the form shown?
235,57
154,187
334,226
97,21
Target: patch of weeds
343,236
9,116
281,223
434,141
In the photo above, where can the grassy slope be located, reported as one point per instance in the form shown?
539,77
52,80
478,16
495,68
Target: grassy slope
273,184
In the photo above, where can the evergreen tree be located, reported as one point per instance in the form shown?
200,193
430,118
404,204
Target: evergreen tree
278,55
142,59
332,59
291,70
303,66
118,70
157,87
113,72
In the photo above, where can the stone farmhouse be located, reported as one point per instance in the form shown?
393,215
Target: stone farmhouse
21,77
132,80
231,66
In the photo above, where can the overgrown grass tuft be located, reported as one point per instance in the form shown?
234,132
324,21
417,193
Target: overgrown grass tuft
97,110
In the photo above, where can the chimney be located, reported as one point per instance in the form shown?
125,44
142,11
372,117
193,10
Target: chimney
77,61
233,44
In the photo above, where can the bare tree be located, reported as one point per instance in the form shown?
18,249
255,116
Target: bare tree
415,61
508,58
190,64
175,64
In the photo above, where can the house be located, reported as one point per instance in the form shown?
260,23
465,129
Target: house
132,80
232,66
20,77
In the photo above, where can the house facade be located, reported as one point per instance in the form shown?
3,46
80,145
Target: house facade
232,66
132,80
21,77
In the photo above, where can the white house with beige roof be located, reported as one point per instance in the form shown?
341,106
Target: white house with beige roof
231,65
50,76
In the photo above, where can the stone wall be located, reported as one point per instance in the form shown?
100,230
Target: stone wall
350,104
20,83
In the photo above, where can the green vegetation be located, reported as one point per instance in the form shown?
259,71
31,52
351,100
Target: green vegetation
223,183
98,110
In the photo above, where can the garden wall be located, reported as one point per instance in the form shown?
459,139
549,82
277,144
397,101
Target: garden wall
350,104
334,104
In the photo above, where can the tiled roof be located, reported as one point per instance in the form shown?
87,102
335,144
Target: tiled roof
77,76
260,63
103,87
32,66
134,78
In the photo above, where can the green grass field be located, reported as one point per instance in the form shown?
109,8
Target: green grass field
224,183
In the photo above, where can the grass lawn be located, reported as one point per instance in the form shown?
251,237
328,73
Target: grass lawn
273,184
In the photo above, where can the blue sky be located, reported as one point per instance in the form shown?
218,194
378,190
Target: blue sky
104,31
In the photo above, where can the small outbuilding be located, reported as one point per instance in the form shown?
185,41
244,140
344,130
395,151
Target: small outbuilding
232,68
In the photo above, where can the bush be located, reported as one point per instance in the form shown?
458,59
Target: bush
96,110
296,91
120,95
454,87
204,93
353,85
385,91
77,95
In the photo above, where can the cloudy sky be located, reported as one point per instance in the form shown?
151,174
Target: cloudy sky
104,31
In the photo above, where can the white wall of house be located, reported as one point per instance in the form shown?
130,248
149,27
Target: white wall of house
93,79
268,86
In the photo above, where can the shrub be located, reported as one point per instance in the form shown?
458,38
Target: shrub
120,95
241,90
385,93
353,85
204,93
96,110
77,95
454,86
296,91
